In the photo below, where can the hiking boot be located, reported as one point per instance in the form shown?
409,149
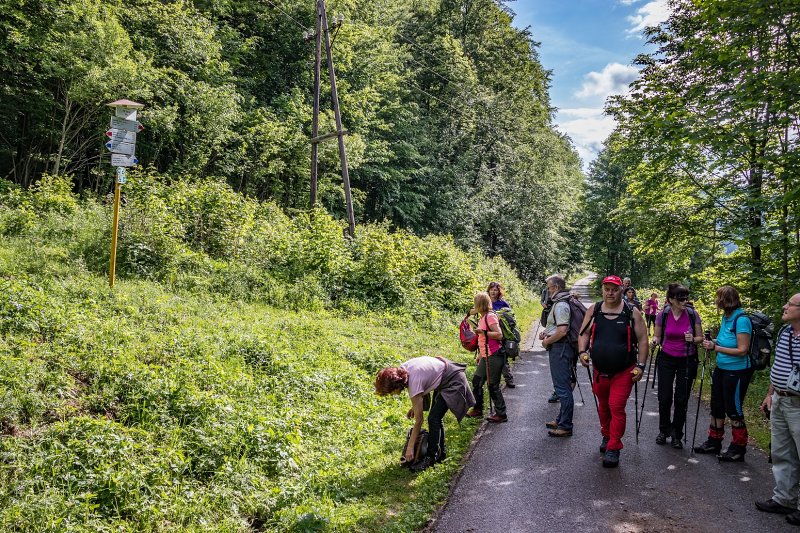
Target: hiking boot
794,518
611,459
604,445
475,413
709,446
661,439
551,425
560,432
497,419
676,443
422,464
734,454
553,398
771,506
510,384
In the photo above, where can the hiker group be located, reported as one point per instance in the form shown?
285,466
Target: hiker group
610,340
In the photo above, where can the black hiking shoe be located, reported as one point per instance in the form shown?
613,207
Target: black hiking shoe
422,464
510,384
794,518
677,444
734,454
661,439
553,398
771,506
611,459
709,446
604,445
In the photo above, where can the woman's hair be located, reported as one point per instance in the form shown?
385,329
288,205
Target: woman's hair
631,289
676,290
390,380
654,295
483,304
728,299
500,291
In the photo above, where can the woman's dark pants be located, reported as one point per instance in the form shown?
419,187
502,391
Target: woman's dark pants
672,375
436,428
496,362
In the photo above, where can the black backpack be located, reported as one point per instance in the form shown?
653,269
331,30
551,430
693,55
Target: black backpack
760,340
577,311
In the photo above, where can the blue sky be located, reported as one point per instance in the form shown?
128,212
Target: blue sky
589,46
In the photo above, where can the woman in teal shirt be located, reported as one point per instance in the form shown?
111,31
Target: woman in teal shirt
730,378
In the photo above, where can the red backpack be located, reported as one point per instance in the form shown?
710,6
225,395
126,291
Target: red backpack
469,339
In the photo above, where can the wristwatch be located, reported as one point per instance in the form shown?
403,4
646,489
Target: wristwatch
640,366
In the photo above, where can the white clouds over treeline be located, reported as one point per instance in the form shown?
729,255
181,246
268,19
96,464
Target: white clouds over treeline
650,14
613,79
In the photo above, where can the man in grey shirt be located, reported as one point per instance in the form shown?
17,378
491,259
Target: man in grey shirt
561,354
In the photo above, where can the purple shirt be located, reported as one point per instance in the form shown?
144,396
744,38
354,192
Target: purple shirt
499,304
674,340
424,374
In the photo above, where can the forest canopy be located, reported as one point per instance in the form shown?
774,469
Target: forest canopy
446,105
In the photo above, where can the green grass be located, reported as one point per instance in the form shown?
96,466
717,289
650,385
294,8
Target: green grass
145,409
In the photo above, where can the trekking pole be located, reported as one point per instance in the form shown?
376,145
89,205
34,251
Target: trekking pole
655,363
591,382
578,383
700,392
688,391
636,408
646,382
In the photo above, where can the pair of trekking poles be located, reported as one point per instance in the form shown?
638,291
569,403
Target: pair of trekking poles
640,415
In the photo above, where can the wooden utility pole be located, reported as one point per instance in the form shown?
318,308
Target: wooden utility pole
324,29
315,119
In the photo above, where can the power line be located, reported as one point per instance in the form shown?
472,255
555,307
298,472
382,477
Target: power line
279,8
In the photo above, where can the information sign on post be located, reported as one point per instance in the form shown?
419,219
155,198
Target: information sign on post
122,145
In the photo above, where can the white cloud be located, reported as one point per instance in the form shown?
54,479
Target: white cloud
628,2
614,79
651,14
588,127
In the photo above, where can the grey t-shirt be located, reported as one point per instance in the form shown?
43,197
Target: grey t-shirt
424,374
559,316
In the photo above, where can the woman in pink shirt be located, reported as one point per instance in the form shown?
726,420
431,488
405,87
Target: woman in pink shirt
491,355
678,331
651,310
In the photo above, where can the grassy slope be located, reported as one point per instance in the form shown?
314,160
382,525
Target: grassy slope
143,410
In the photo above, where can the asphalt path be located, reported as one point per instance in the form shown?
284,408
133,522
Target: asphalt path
517,478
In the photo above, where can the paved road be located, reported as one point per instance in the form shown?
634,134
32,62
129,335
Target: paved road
519,479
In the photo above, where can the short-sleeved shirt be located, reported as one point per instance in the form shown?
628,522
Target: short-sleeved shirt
727,339
559,316
485,323
784,358
424,374
674,340
499,304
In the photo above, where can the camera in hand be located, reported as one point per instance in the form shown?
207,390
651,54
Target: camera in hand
707,334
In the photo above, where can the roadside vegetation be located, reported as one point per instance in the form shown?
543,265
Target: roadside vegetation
226,381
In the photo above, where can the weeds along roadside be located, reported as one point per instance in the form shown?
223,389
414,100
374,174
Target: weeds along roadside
189,396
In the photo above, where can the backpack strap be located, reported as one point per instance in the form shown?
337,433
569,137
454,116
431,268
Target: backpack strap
664,315
592,323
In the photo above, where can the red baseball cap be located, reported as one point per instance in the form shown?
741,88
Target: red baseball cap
614,280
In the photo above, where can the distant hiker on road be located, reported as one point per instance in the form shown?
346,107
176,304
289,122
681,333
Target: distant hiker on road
783,401
651,310
490,356
678,331
495,291
555,340
421,376
611,335
731,377
630,298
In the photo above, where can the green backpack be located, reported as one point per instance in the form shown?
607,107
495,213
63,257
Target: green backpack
511,334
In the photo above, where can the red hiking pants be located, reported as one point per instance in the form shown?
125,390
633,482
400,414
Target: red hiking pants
612,397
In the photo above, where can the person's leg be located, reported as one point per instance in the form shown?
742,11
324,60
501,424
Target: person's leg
602,387
561,372
478,378
507,375
716,428
736,383
620,391
785,432
496,362
666,377
436,447
681,400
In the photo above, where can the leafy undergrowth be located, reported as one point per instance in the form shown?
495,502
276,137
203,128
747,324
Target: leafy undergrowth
140,409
